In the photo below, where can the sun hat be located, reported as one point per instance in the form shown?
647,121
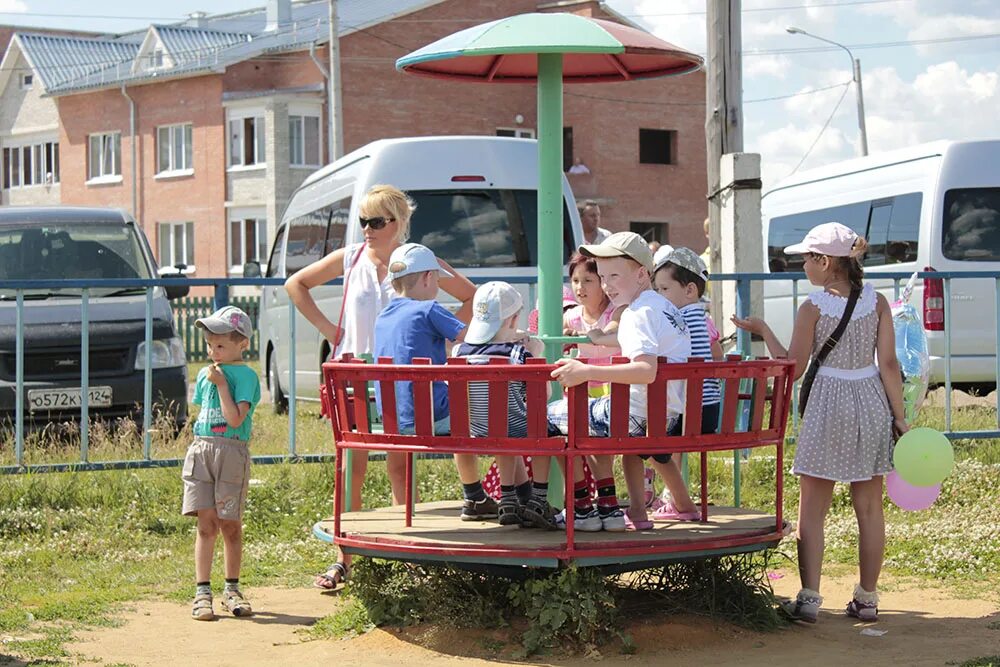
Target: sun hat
226,320
831,239
493,303
414,258
622,244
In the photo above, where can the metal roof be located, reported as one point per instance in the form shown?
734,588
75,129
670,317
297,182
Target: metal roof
186,45
59,61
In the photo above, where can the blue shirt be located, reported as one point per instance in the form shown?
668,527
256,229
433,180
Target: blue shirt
405,330
244,387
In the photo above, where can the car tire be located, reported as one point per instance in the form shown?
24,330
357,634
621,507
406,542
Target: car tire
279,402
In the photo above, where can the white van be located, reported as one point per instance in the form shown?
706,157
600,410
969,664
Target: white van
476,209
934,207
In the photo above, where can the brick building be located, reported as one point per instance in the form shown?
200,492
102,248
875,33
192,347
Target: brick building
226,115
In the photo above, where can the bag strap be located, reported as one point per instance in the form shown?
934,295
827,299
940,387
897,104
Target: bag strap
834,338
347,277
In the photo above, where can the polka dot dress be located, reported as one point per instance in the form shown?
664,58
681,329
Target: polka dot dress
846,432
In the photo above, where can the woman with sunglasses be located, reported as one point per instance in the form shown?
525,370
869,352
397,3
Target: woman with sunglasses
385,219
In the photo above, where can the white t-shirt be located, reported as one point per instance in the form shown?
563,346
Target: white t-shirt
652,325
365,298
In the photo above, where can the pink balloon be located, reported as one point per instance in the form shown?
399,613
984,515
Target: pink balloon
908,497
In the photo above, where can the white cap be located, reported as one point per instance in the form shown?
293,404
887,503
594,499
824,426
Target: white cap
414,258
660,256
226,320
622,244
493,303
831,239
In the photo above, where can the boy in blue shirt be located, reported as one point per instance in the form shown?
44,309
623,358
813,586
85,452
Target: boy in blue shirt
415,325
216,471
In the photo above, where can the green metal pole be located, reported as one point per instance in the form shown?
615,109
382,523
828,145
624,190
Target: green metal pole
550,220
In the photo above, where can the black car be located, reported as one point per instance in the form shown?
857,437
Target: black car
54,243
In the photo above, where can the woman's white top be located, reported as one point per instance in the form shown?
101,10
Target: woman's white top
365,297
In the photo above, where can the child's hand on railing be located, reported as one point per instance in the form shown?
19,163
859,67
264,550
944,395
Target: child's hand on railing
571,372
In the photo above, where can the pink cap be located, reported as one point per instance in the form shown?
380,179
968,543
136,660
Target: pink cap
831,239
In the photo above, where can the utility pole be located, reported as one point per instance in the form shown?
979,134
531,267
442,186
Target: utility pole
335,103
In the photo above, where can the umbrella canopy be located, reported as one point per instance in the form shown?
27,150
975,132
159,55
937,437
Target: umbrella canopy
506,50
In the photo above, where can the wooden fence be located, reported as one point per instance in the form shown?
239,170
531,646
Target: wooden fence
188,310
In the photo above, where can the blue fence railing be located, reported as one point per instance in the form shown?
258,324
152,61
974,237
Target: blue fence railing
222,287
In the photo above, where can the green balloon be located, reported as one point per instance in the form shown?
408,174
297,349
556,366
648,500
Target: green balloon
923,457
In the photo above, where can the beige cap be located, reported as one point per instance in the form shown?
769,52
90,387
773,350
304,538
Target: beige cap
622,244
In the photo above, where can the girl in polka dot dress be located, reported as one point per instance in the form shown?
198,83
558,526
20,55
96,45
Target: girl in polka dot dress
853,410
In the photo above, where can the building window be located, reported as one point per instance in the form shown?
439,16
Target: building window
303,141
246,141
657,146
519,132
35,164
176,243
567,148
247,241
27,80
652,231
173,148
105,155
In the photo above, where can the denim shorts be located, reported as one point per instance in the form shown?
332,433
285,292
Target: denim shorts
599,411
441,427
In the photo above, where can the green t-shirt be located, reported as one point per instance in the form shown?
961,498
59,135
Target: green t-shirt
244,386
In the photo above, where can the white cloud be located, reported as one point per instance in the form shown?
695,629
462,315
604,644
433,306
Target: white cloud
13,6
773,66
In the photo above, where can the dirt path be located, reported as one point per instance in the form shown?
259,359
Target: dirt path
924,627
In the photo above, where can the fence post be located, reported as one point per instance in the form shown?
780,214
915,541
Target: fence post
19,381
221,298
84,374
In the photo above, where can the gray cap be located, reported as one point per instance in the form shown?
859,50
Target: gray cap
686,259
622,244
226,320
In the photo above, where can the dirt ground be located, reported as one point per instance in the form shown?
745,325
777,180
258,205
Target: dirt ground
922,626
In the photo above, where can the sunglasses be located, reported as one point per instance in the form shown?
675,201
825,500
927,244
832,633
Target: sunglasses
378,222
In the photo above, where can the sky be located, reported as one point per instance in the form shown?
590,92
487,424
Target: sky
940,79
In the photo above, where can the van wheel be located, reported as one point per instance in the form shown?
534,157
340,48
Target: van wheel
279,402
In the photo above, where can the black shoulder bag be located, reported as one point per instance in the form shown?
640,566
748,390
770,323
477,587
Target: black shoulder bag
824,352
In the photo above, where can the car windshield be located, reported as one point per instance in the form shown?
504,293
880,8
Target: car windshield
70,252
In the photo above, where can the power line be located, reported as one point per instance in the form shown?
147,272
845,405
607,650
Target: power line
825,125
600,98
775,9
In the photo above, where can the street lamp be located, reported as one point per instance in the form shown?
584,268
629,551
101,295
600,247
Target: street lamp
856,69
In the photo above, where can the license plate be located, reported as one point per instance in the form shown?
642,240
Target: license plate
59,399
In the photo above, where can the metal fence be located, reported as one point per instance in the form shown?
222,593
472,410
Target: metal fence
222,288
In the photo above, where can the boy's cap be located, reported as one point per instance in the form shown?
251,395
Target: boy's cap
622,244
493,303
415,258
660,256
226,320
686,259
831,239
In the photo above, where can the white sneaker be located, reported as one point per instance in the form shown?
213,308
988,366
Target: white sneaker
614,522
589,522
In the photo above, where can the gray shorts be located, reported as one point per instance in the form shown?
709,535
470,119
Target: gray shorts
216,476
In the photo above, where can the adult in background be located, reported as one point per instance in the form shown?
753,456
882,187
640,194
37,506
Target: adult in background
590,220
384,216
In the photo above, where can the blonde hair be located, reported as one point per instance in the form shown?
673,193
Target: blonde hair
391,202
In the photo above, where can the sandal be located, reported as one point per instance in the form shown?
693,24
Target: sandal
332,579
236,604
201,610
637,525
669,513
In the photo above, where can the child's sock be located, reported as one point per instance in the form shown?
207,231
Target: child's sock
474,491
203,588
607,501
582,503
508,493
540,491
232,585
524,492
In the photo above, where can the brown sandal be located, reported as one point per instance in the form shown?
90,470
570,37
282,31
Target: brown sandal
333,579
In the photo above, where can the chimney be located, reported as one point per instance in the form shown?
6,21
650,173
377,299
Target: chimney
279,14
196,19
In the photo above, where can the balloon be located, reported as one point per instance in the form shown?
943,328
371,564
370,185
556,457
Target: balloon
908,497
923,457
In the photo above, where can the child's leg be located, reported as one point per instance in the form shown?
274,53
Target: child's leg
396,469
204,544
674,481
814,502
359,466
232,539
867,500
635,482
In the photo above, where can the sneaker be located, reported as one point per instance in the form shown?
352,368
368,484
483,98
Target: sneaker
805,606
538,513
509,512
614,521
480,510
236,604
588,521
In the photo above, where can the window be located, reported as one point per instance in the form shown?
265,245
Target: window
971,229
567,148
519,132
105,156
156,58
651,231
176,243
657,146
27,80
35,164
173,148
306,240
304,141
247,241
246,141
274,264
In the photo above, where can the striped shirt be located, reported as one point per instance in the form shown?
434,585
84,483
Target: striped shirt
479,392
694,317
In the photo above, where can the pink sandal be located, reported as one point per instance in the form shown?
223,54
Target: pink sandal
669,513
637,525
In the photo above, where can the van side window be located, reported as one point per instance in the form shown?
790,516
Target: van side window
306,240
787,230
337,230
971,229
274,267
904,229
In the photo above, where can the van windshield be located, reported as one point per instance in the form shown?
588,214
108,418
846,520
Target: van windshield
70,252
482,228
971,229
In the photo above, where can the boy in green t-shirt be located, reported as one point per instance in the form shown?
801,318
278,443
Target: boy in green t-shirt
217,466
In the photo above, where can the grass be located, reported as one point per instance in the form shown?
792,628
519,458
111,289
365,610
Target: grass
58,529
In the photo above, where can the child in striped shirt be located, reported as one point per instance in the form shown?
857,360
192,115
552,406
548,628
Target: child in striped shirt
681,277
